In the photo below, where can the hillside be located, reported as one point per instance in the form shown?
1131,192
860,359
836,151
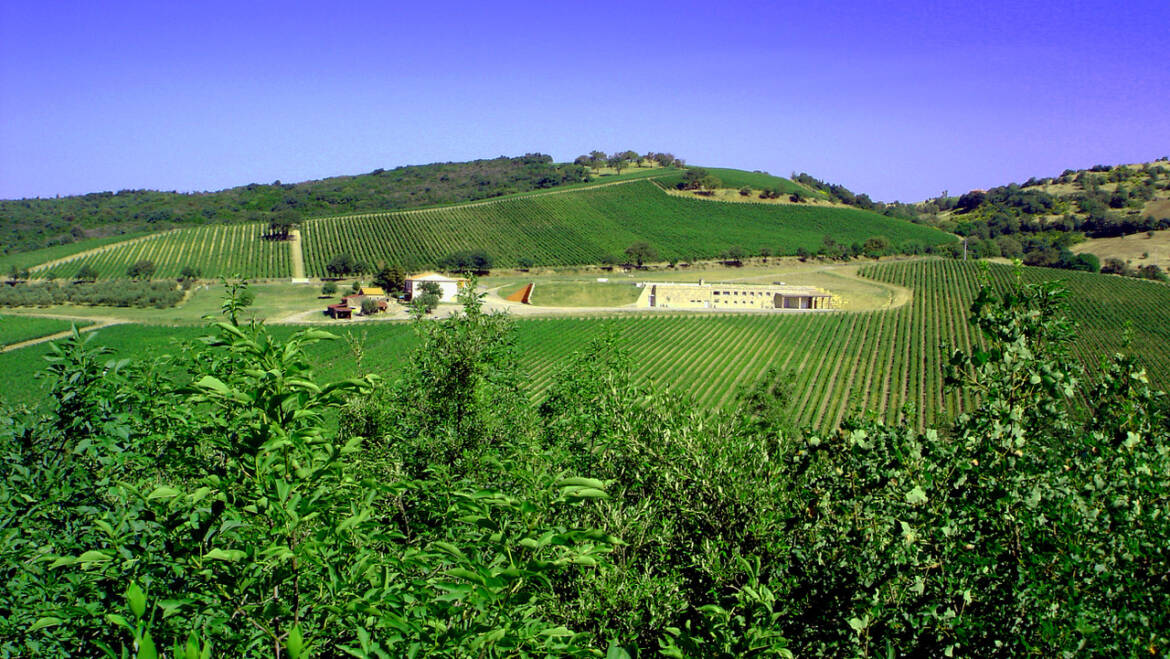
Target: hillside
1040,219
560,227
590,226
28,224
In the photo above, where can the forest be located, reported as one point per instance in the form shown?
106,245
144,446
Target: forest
223,500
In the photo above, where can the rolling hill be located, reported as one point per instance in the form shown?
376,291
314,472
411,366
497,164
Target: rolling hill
576,225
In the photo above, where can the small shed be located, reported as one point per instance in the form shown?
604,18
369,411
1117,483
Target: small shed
338,311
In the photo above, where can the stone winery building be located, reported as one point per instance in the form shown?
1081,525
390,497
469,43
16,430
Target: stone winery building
732,297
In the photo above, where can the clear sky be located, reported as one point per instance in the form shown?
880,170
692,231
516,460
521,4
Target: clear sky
901,99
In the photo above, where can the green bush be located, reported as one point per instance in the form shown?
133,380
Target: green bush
225,496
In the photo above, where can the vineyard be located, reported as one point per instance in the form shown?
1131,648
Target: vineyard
14,329
843,363
215,250
585,226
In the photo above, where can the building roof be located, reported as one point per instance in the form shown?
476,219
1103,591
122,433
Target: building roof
433,276
371,290
338,306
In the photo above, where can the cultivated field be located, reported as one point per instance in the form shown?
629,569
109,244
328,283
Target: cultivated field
585,226
15,329
874,361
215,250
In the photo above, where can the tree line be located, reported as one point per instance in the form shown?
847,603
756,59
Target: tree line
27,224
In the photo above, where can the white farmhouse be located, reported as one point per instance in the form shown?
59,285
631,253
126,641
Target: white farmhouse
449,287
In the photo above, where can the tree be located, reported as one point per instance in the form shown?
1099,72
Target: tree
143,269
86,274
641,252
427,299
18,274
391,279
735,254
618,162
474,261
340,265
329,289
369,306
525,263
281,224
876,246
189,273
745,191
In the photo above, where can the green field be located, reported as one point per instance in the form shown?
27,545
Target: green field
738,178
14,329
215,250
585,226
873,361
578,293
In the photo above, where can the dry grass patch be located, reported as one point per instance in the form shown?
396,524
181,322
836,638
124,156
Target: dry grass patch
1138,249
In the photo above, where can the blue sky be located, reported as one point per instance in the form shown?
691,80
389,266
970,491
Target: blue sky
900,100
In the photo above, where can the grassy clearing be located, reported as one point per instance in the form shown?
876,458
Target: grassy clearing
14,329
273,302
1137,250
730,195
850,292
733,179
584,294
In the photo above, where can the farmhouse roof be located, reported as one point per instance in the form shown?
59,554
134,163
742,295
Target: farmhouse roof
433,276
371,290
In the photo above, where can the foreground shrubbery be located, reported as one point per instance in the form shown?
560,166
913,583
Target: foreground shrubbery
206,499
109,293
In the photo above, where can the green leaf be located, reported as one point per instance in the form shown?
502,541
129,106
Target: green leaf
163,493
585,493
137,600
93,556
295,643
583,482
616,652
229,555
857,624
916,495
42,623
214,384
146,648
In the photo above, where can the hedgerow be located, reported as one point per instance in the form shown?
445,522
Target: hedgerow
110,293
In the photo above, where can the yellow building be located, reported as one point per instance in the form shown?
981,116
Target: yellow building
732,297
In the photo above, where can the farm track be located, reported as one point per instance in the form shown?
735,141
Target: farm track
60,335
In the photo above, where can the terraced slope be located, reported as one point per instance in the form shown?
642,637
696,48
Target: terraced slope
585,226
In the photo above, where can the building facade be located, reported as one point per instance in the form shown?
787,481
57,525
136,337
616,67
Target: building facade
449,287
733,297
